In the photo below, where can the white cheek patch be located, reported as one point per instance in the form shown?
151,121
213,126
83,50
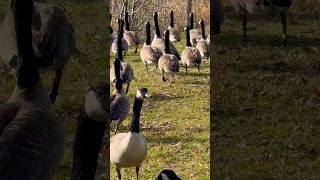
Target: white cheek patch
139,95
94,109
164,176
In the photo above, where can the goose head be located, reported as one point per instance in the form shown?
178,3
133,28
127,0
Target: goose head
142,93
168,175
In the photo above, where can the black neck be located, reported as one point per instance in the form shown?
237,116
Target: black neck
191,21
135,122
171,19
117,62
156,24
126,19
120,36
203,33
86,148
188,43
117,65
167,42
148,34
28,74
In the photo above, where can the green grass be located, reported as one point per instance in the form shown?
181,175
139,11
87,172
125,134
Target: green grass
265,100
87,67
175,121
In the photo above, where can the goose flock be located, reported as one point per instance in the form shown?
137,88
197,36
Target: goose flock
40,37
130,149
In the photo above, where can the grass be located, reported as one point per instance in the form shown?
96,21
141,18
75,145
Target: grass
86,68
175,121
265,100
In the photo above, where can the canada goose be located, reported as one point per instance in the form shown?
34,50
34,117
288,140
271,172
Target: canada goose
130,149
53,36
218,16
126,69
273,8
159,43
202,44
195,35
92,123
168,63
31,135
174,33
130,37
190,55
148,54
119,100
124,43
168,175
112,35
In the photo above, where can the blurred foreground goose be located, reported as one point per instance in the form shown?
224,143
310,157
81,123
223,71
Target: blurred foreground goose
168,175
174,33
126,71
159,43
130,149
190,55
112,35
119,100
92,122
124,44
168,63
129,36
148,54
273,8
218,16
53,41
31,135
202,44
195,34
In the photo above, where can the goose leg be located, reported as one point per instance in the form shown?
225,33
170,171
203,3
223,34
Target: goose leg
147,68
162,74
136,49
243,15
284,28
137,172
186,70
127,88
56,85
198,69
119,173
117,127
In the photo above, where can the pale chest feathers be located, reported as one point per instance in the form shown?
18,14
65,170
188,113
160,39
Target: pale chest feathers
119,106
149,55
131,38
203,48
126,73
191,55
169,63
128,149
